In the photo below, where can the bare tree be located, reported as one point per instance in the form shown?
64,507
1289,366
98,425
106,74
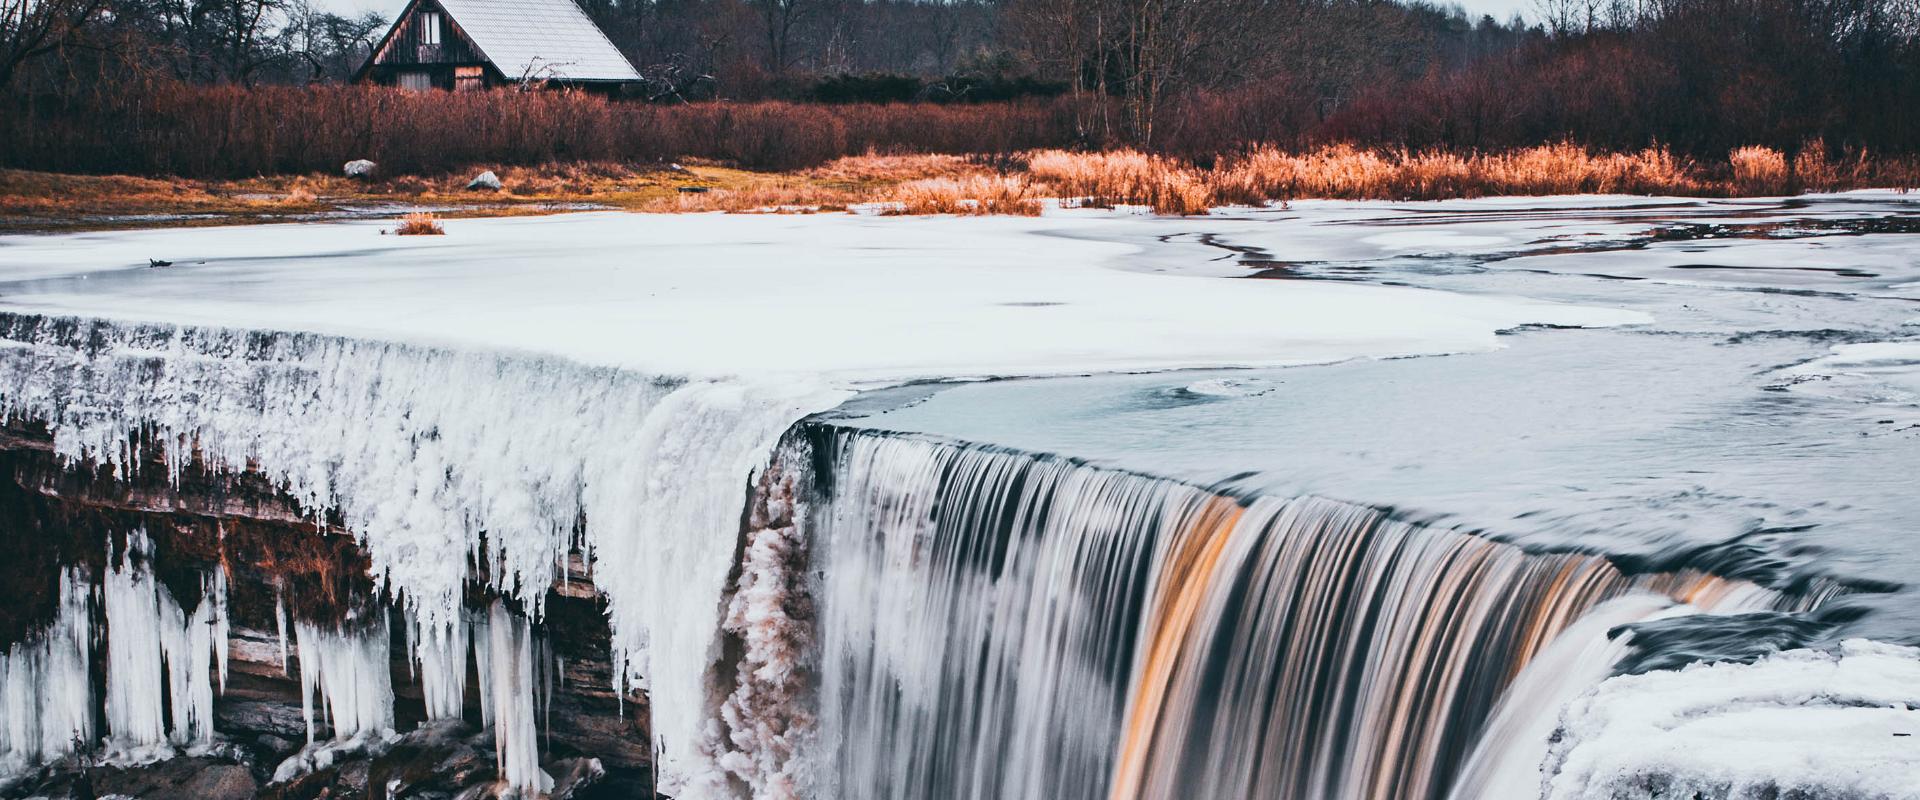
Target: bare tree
782,17
29,28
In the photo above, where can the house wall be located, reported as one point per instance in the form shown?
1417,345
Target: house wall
409,58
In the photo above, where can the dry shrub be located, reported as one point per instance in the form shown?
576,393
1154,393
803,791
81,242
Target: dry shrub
1813,171
299,195
1124,177
1343,171
1759,171
420,223
974,194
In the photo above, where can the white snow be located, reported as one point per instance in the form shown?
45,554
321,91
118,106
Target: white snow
1804,723
862,299
1507,758
518,376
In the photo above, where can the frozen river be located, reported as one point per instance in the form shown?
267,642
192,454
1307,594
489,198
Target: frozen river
1329,500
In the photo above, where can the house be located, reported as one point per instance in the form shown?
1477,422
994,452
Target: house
466,45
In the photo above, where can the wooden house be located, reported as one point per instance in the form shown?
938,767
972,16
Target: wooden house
465,45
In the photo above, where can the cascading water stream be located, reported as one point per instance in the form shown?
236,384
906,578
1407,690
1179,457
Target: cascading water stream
999,625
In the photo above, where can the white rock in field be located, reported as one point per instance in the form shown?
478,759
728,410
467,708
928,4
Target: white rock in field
359,168
485,180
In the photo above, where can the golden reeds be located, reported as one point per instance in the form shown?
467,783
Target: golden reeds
1759,171
420,223
973,194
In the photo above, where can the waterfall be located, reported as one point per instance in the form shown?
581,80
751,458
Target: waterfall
999,625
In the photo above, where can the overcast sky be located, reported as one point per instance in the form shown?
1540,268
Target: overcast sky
1500,9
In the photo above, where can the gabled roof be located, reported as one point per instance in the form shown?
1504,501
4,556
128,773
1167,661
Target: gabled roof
540,38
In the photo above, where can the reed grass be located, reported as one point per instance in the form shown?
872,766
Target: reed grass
420,223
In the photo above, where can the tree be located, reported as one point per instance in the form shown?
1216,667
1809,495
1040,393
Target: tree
781,18
30,28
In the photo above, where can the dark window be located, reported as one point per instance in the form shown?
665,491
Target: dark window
429,27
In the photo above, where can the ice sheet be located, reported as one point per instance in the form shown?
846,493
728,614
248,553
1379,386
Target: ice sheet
1805,723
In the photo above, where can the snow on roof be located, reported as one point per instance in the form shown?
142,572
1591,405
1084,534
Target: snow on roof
540,38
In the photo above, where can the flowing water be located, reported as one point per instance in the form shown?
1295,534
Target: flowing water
999,625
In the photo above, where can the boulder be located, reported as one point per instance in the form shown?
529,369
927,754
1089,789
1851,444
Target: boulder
359,168
485,180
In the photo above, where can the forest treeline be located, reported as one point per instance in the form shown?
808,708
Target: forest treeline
83,80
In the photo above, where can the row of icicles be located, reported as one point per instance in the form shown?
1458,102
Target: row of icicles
164,665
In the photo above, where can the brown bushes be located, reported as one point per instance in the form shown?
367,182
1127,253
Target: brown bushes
163,128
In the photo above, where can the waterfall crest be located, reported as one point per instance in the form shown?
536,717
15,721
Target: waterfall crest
1000,625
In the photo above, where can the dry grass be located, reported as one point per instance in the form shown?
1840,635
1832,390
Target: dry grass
878,168
1347,172
1759,171
420,223
1125,177
1007,195
939,184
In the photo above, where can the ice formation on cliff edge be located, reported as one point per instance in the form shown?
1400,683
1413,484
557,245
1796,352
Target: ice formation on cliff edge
1804,723
422,450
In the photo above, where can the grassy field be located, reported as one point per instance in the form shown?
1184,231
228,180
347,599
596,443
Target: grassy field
932,184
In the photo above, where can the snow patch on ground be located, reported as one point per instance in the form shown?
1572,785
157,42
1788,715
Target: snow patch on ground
1804,724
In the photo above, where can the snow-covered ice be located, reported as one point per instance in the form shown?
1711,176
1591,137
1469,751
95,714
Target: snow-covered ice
857,298
1805,724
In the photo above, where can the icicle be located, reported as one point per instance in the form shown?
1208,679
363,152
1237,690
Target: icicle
157,657
515,728
440,654
46,689
347,676
216,595
482,636
280,624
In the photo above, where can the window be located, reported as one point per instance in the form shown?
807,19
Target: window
416,81
429,27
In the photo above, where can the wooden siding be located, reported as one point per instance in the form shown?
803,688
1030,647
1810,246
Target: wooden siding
407,45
